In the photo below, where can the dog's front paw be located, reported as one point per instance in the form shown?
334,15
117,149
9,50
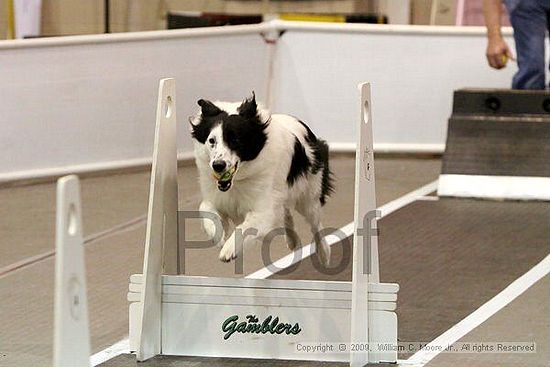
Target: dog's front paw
209,227
292,240
214,232
228,252
323,253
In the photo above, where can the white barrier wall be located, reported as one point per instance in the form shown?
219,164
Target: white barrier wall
82,103
413,72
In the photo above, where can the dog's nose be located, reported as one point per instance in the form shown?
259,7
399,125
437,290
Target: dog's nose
219,166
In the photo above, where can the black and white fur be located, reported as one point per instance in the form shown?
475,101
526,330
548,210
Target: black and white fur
280,165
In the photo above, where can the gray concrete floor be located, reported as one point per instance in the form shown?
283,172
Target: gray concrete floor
526,319
27,229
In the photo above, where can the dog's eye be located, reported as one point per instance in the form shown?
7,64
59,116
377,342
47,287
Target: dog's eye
212,141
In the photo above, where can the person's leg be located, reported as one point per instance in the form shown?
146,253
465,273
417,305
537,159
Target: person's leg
529,20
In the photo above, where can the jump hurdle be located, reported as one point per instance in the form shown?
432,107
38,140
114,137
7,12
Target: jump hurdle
71,331
198,316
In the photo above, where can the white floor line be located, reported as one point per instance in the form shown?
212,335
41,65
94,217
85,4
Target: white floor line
428,198
408,198
347,230
476,318
117,229
21,264
120,347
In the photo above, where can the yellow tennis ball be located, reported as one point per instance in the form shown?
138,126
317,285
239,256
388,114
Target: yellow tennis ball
504,59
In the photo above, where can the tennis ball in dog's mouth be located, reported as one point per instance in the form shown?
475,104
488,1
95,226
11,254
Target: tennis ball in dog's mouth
228,175
224,180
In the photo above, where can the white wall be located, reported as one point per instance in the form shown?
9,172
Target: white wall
413,70
80,103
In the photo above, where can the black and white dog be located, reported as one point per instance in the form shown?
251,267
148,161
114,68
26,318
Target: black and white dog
254,168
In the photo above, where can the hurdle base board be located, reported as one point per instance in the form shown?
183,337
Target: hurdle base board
195,308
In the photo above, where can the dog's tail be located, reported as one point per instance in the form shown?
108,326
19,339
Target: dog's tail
327,181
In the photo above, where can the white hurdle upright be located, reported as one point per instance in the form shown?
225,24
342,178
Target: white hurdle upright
161,237
71,332
257,318
365,201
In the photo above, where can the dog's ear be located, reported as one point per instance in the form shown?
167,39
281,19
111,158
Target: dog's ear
193,121
208,108
249,108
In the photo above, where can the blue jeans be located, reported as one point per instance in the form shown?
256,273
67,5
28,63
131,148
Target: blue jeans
531,20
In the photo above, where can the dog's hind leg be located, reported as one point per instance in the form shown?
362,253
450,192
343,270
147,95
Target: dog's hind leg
214,224
292,239
312,214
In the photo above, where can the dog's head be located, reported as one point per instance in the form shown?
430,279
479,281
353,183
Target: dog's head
232,133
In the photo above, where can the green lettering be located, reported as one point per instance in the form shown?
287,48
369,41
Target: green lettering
265,325
273,325
228,326
279,329
252,325
241,328
295,329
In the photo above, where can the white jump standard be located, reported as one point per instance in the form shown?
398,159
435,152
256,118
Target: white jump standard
255,318
71,330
